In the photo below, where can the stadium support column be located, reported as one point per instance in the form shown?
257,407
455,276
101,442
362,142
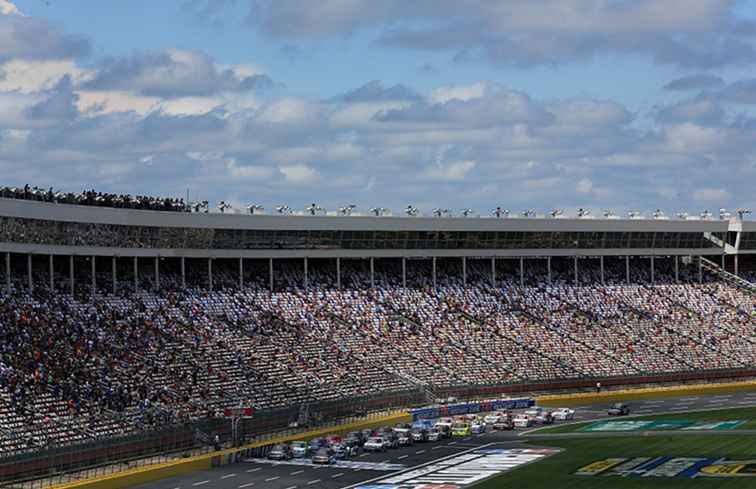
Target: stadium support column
183,272
464,271
94,280
306,278
736,266
653,278
548,268
71,274
338,273
601,260
434,272
627,269
7,273
522,272
575,265
210,274
700,269
29,272
404,272
157,272
270,273
723,263
493,271
372,273
241,273
677,269
136,274
114,275
52,272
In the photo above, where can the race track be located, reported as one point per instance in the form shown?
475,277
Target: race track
367,467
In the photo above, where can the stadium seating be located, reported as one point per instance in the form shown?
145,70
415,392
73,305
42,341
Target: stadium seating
74,369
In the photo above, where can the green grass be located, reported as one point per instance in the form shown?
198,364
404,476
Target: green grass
748,414
555,472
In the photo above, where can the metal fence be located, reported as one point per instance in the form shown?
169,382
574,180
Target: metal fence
98,457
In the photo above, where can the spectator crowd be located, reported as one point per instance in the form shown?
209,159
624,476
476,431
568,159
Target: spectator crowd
75,368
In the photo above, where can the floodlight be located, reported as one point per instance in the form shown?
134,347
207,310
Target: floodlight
283,209
581,213
378,211
682,215
347,210
528,213
659,214
706,214
634,214
222,206
411,211
253,208
556,213
313,209
467,212
742,212
609,213
438,212
723,214
499,212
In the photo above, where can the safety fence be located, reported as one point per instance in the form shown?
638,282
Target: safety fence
52,466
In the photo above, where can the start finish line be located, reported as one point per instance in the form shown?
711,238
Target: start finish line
462,470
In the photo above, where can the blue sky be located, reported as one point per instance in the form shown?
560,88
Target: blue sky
539,103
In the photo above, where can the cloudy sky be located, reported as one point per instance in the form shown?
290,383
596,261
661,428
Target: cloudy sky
624,104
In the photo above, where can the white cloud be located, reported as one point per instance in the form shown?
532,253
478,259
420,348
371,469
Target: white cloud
450,172
711,195
8,8
459,92
300,174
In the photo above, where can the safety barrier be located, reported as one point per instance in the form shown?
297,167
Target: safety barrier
646,393
153,473
470,408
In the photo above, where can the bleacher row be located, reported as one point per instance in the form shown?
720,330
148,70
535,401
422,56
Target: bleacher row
73,368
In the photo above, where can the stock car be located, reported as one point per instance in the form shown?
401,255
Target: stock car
505,423
376,444
300,449
461,429
523,421
493,418
280,452
405,439
477,427
419,434
435,435
619,409
564,414
325,456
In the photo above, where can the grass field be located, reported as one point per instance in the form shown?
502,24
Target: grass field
556,472
747,414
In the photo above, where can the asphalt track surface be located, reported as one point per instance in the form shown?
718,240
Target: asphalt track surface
285,475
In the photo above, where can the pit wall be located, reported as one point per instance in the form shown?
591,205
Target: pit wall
144,475
576,399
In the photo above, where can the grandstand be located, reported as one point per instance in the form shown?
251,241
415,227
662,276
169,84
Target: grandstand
117,322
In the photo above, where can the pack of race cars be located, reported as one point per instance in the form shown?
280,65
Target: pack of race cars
332,448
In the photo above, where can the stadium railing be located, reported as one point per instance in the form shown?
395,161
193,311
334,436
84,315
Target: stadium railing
58,465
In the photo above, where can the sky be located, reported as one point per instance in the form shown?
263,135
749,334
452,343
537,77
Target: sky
542,104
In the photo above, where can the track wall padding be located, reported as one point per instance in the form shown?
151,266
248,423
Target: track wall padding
144,475
646,393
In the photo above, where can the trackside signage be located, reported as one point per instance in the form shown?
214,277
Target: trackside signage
677,467
470,408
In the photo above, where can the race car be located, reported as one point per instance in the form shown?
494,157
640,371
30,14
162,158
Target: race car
461,429
300,449
619,409
325,456
477,427
405,439
375,444
564,414
504,424
280,452
435,435
523,421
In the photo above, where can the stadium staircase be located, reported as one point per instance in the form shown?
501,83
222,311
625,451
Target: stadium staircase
726,276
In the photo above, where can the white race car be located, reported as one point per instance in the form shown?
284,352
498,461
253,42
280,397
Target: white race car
563,414
523,421
492,418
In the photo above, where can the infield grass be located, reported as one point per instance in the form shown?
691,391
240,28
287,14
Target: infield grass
555,472
747,414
